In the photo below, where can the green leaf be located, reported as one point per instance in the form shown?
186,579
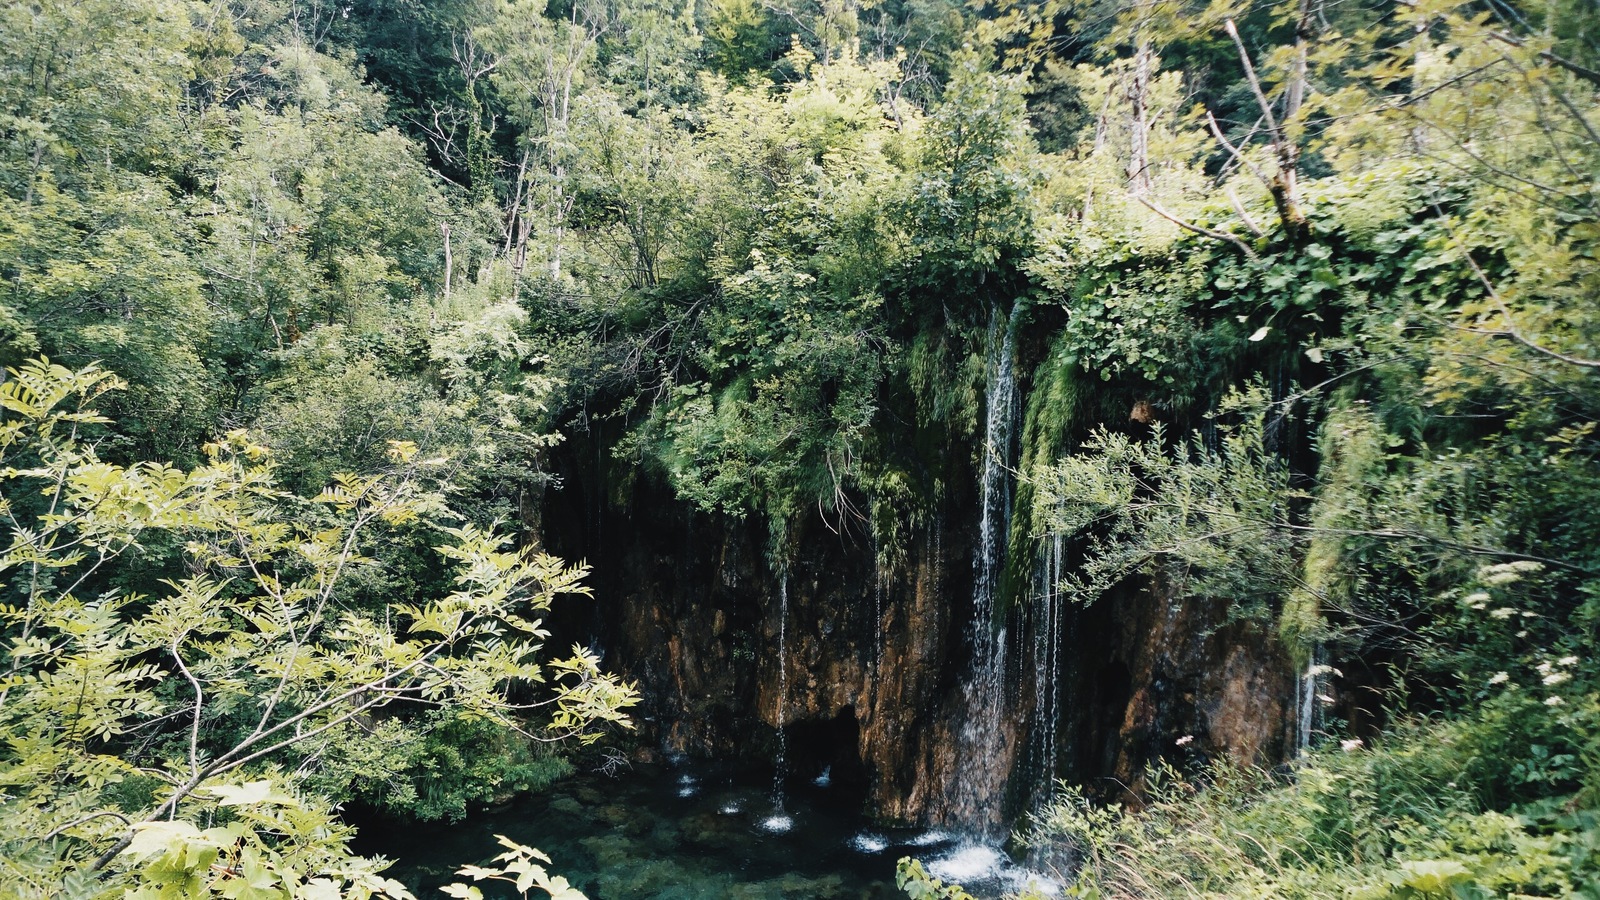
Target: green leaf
1434,876
318,889
253,793
159,837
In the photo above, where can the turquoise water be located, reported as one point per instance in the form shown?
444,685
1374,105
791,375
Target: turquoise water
685,834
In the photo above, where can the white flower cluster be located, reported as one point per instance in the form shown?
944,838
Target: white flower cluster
1496,576
1553,673
1507,573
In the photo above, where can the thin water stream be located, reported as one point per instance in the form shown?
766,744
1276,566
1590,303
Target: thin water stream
1047,636
779,819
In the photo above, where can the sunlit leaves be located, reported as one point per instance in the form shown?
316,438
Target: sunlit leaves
255,637
37,388
254,793
522,867
287,849
1211,521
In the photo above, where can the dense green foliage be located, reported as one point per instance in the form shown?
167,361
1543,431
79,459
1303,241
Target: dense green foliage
1441,809
134,718
1303,297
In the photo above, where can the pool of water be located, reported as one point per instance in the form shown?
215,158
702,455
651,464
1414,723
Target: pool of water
686,833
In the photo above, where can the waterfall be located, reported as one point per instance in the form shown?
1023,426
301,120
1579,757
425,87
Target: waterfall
779,821
1310,687
1048,613
982,757
783,688
879,582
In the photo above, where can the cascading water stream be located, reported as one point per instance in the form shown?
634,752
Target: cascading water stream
783,687
880,579
985,755
1311,687
983,760
1048,616
780,820
877,618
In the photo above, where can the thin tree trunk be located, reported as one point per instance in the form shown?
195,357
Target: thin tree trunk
449,258
1285,183
1139,141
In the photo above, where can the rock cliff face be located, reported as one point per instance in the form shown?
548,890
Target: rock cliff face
863,669
1154,673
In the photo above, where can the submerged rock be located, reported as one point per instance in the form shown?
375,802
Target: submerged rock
566,805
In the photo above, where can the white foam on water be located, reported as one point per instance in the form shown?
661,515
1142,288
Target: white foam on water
688,790
731,809
777,824
969,864
825,779
867,842
929,838
966,863
1042,885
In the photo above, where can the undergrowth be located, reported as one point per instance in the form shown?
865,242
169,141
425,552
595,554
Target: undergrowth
1501,803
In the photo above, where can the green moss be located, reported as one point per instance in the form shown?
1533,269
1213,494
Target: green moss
1054,408
946,381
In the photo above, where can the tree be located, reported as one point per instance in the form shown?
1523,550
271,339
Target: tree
971,205
133,720
540,64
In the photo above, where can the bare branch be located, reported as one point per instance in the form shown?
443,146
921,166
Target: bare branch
1511,329
1590,75
103,814
199,701
1199,229
1216,131
1252,79
1238,209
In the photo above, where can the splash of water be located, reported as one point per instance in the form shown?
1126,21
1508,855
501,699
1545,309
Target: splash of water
777,823
869,842
975,865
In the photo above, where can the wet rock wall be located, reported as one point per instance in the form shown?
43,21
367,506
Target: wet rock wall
865,671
